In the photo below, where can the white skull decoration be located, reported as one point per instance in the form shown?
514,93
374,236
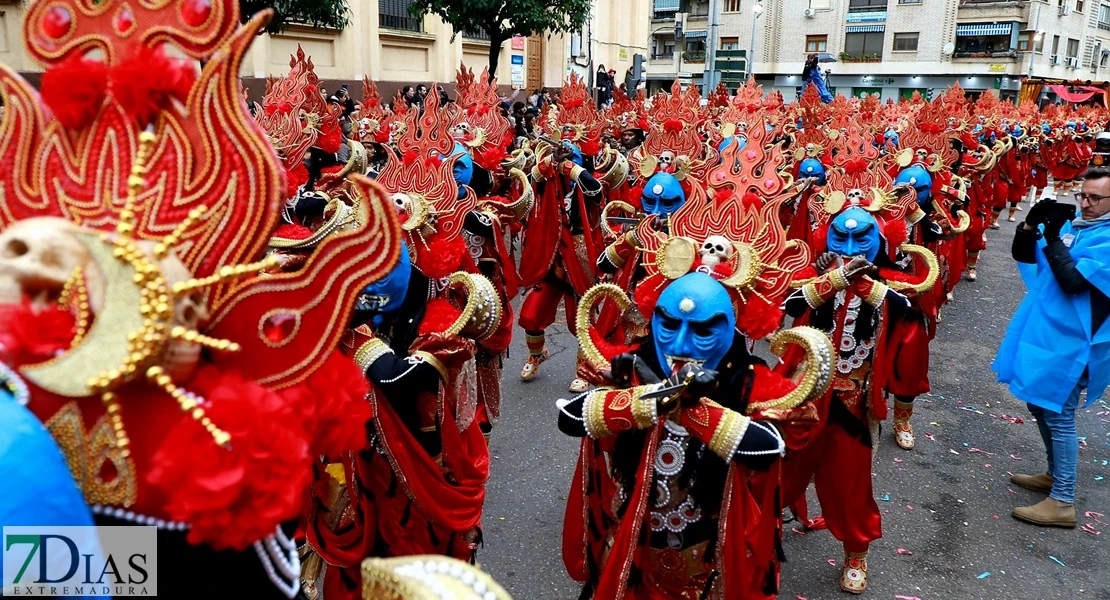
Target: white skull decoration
180,357
402,202
742,126
716,250
461,131
666,161
855,197
921,154
37,257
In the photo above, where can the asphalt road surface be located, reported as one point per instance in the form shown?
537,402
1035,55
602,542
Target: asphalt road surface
947,529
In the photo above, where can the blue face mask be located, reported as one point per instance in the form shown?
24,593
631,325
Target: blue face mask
693,323
463,169
891,137
662,195
386,295
1046,129
1018,132
855,232
920,179
811,167
727,142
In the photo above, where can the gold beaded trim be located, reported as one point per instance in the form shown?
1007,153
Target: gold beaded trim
432,360
593,409
726,437
839,280
645,412
368,353
877,294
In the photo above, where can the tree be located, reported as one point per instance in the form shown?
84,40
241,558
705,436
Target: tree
502,19
315,13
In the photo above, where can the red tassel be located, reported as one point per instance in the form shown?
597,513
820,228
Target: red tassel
293,232
74,90
330,141
672,126
751,200
440,258
895,234
590,147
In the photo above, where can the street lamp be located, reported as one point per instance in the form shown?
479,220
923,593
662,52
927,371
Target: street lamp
757,9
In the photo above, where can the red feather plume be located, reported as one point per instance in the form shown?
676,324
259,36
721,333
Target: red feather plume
74,90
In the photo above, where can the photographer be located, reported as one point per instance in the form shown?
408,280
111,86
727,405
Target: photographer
1057,344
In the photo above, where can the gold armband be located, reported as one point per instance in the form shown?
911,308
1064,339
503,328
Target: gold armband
370,352
644,411
726,437
593,411
838,279
877,294
432,360
614,256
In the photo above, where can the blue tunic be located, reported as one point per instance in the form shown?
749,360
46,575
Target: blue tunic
1049,343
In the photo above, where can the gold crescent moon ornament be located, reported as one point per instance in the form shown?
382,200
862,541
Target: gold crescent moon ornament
482,313
676,257
607,212
130,333
746,266
816,375
925,256
582,318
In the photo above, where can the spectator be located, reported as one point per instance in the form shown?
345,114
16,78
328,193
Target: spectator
1057,343
409,94
604,84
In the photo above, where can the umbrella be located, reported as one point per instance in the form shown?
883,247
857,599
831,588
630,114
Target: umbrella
825,57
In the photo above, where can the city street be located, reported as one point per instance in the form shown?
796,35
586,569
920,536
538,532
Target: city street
948,533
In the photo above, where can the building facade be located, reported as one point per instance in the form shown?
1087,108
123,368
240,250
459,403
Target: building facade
384,42
892,47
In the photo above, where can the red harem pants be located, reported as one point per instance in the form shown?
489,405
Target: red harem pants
541,305
1001,193
840,466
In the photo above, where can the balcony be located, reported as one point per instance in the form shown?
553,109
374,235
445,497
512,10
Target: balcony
664,10
694,56
999,11
867,5
662,57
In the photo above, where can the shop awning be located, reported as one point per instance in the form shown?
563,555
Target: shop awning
983,29
865,28
696,34
667,5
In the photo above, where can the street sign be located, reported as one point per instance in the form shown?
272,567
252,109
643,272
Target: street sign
518,59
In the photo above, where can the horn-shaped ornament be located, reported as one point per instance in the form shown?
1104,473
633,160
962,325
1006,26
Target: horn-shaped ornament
607,212
482,313
586,305
816,370
924,256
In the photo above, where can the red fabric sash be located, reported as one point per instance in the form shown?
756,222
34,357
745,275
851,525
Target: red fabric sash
541,239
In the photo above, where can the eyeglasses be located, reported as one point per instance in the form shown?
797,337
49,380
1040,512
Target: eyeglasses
1092,199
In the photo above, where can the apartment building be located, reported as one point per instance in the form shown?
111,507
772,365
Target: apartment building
889,47
386,43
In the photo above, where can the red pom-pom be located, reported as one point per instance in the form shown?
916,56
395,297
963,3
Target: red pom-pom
332,404
233,496
590,147
441,258
146,82
751,200
439,314
331,140
759,318
381,136
293,232
490,159
895,233
29,335
672,125
854,167
410,157
647,294
769,385
294,179
74,90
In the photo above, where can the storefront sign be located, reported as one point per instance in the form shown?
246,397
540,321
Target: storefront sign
998,68
873,80
867,17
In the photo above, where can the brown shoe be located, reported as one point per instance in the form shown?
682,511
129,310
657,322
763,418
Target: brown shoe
1048,513
1041,482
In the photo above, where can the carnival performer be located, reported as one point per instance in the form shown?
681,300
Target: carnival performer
418,485
186,391
692,413
854,301
560,244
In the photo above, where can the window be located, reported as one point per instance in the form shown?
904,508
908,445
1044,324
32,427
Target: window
1038,43
1079,6
394,14
822,4
664,48
695,45
863,44
1104,17
905,42
909,1
732,5
730,43
1055,45
1025,41
817,43
1073,48
866,5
